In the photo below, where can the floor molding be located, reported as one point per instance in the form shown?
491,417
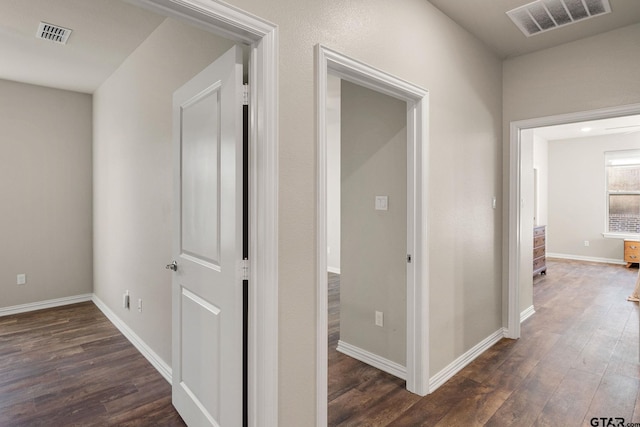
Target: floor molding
454,367
526,313
40,305
586,258
374,360
147,352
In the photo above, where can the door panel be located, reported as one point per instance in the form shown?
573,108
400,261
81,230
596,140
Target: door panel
207,285
201,176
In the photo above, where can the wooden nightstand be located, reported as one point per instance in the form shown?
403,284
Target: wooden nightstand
539,250
631,252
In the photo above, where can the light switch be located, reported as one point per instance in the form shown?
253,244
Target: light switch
379,318
382,203
21,279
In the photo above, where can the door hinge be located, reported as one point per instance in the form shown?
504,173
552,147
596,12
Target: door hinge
244,269
245,94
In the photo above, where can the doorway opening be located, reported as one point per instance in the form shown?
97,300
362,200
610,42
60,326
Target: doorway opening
355,72
521,202
261,37
367,224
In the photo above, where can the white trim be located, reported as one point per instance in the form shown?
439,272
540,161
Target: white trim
41,305
333,270
138,343
457,365
386,365
586,258
624,236
514,192
330,61
526,313
240,26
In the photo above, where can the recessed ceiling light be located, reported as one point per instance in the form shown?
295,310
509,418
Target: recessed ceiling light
587,129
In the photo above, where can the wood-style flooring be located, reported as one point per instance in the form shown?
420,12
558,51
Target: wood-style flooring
69,366
577,359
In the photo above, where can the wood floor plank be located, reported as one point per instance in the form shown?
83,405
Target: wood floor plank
69,366
570,402
578,358
615,397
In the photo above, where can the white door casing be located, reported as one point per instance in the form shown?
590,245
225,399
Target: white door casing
417,366
514,192
207,245
230,22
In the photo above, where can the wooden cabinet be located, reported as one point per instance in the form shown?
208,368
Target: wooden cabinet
631,252
539,250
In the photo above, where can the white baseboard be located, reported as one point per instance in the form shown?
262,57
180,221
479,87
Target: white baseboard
374,360
147,352
33,306
456,366
526,313
586,258
334,270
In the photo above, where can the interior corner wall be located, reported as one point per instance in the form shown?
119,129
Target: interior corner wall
526,221
133,175
577,196
45,183
333,173
374,242
541,163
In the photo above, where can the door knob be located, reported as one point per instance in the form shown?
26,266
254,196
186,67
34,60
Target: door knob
173,266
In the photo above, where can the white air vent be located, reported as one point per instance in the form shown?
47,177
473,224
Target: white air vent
545,15
53,33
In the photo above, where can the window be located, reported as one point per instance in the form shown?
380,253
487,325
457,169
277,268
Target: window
623,191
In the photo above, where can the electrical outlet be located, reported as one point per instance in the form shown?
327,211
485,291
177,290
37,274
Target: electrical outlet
125,300
586,243
379,318
21,279
139,305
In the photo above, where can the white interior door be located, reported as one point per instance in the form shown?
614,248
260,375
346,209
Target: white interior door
207,246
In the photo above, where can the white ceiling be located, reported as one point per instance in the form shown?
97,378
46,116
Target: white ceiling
618,125
105,32
488,21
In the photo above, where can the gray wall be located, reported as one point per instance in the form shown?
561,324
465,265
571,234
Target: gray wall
588,74
577,196
133,175
45,183
373,242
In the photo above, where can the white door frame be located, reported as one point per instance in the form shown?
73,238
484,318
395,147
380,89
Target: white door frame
515,194
332,62
239,26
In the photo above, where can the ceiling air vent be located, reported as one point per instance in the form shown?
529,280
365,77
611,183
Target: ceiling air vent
53,33
544,15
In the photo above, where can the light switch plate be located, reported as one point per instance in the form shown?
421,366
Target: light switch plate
379,318
382,203
21,279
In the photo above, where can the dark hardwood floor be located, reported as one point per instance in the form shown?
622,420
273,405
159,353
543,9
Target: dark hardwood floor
578,358
69,366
